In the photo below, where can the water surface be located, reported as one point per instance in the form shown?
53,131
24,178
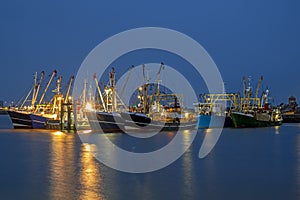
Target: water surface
261,163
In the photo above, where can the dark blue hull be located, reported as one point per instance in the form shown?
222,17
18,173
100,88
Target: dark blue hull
106,122
20,119
27,120
38,121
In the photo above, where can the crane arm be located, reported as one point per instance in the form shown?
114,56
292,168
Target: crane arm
258,86
48,84
99,91
69,88
38,87
125,84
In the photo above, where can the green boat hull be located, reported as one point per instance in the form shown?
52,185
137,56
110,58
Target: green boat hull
245,121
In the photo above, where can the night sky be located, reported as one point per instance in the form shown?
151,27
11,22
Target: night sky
244,38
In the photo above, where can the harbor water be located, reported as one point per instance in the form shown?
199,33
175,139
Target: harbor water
257,163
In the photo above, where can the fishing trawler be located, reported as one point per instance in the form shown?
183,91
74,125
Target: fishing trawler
106,117
38,114
214,110
256,112
25,116
159,111
112,115
291,111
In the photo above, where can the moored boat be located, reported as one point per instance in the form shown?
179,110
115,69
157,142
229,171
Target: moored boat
291,111
256,119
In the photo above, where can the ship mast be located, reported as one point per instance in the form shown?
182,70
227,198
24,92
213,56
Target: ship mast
112,84
145,91
34,90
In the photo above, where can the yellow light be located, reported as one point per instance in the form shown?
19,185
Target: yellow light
58,133
87,146
89,106
186,115
70,98
208,130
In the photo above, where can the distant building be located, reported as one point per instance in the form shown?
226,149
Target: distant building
1,104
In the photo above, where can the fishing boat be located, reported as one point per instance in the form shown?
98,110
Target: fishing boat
214,111
157,111
38,114
257,118
106,117
254,111
291,111
25,116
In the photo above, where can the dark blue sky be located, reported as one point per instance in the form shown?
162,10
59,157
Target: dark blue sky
243,37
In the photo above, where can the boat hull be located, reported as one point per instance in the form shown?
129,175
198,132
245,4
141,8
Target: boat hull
27,120
38,121
291,118
20,119
135,120
217,122
106,122
241,120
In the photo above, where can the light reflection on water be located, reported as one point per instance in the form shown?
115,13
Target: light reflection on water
90,178
245,164
62,166
68,177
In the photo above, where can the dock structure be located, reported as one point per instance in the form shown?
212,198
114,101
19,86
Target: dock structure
232,100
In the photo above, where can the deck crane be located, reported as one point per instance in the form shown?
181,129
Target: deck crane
125,84
38,87
258,87
69,88
99,91
48,84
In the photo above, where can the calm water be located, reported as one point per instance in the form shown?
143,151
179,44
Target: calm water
262,163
